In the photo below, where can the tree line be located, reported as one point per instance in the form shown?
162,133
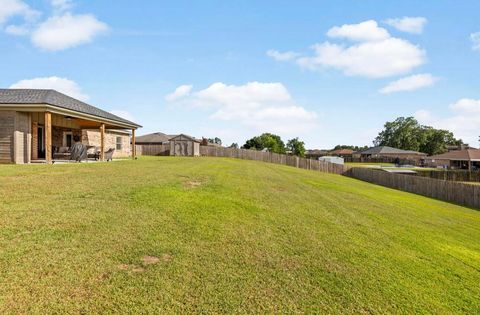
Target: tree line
404,133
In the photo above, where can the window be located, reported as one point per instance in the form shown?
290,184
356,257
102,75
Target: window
119,143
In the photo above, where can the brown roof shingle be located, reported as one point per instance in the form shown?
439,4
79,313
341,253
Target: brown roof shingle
458,155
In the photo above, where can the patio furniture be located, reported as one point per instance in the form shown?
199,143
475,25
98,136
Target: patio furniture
61,153
93,152
109,155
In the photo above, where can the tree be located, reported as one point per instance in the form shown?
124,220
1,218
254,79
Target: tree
403,133
296,146
271,142
234,145
351,147
407,134
215,140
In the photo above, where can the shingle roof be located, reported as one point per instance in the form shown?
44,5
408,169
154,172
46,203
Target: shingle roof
342,151
54,98
389,150
157,137
459,155
183,136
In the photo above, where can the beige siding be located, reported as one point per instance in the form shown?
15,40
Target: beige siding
22,138
7,127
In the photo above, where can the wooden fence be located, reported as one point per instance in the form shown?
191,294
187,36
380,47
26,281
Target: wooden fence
275,158
450,191
452,175
153,149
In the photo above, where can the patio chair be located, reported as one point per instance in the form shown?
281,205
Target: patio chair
61,153
93,152
109,155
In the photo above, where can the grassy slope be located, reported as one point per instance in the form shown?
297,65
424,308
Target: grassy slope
231,235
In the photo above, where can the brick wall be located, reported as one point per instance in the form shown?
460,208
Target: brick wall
92,137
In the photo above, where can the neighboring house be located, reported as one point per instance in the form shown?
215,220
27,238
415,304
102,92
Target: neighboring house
35,123
154,139
459,159
207,143
315,154
389,152
183,145
341,153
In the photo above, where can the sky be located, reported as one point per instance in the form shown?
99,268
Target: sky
328,72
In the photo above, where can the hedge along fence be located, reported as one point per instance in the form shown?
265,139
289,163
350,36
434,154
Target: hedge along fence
452,175
275,158
450,191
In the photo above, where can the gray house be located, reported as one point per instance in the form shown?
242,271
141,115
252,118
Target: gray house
35,123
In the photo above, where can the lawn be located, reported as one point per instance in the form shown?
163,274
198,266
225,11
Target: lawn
211,235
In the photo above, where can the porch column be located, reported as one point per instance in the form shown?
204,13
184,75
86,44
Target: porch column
134,147
102,142
48,137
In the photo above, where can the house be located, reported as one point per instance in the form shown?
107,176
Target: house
34,124
207,143
154,139
341,153
392,153
468,159
183,145
315,154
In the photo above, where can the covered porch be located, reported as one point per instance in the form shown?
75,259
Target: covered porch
53,134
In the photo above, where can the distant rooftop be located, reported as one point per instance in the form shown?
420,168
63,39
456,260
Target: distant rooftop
458,155
388,150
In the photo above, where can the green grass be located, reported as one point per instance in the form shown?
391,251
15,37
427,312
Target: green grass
231,236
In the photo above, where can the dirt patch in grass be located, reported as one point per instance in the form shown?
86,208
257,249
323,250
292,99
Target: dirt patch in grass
138,269
132,268
167,257
123,266
192,184
150,260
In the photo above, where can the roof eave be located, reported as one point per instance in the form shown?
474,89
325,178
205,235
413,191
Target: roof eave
59,110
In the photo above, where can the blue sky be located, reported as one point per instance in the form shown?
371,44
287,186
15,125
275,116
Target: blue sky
246,67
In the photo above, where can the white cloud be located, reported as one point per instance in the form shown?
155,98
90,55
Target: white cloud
61,5
63,85
17,30
410,83
123,114
66,31
361,32
412,25
282,56
375,59
464,120
374,53
475,38
12,8
262,106
180,92
466,106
